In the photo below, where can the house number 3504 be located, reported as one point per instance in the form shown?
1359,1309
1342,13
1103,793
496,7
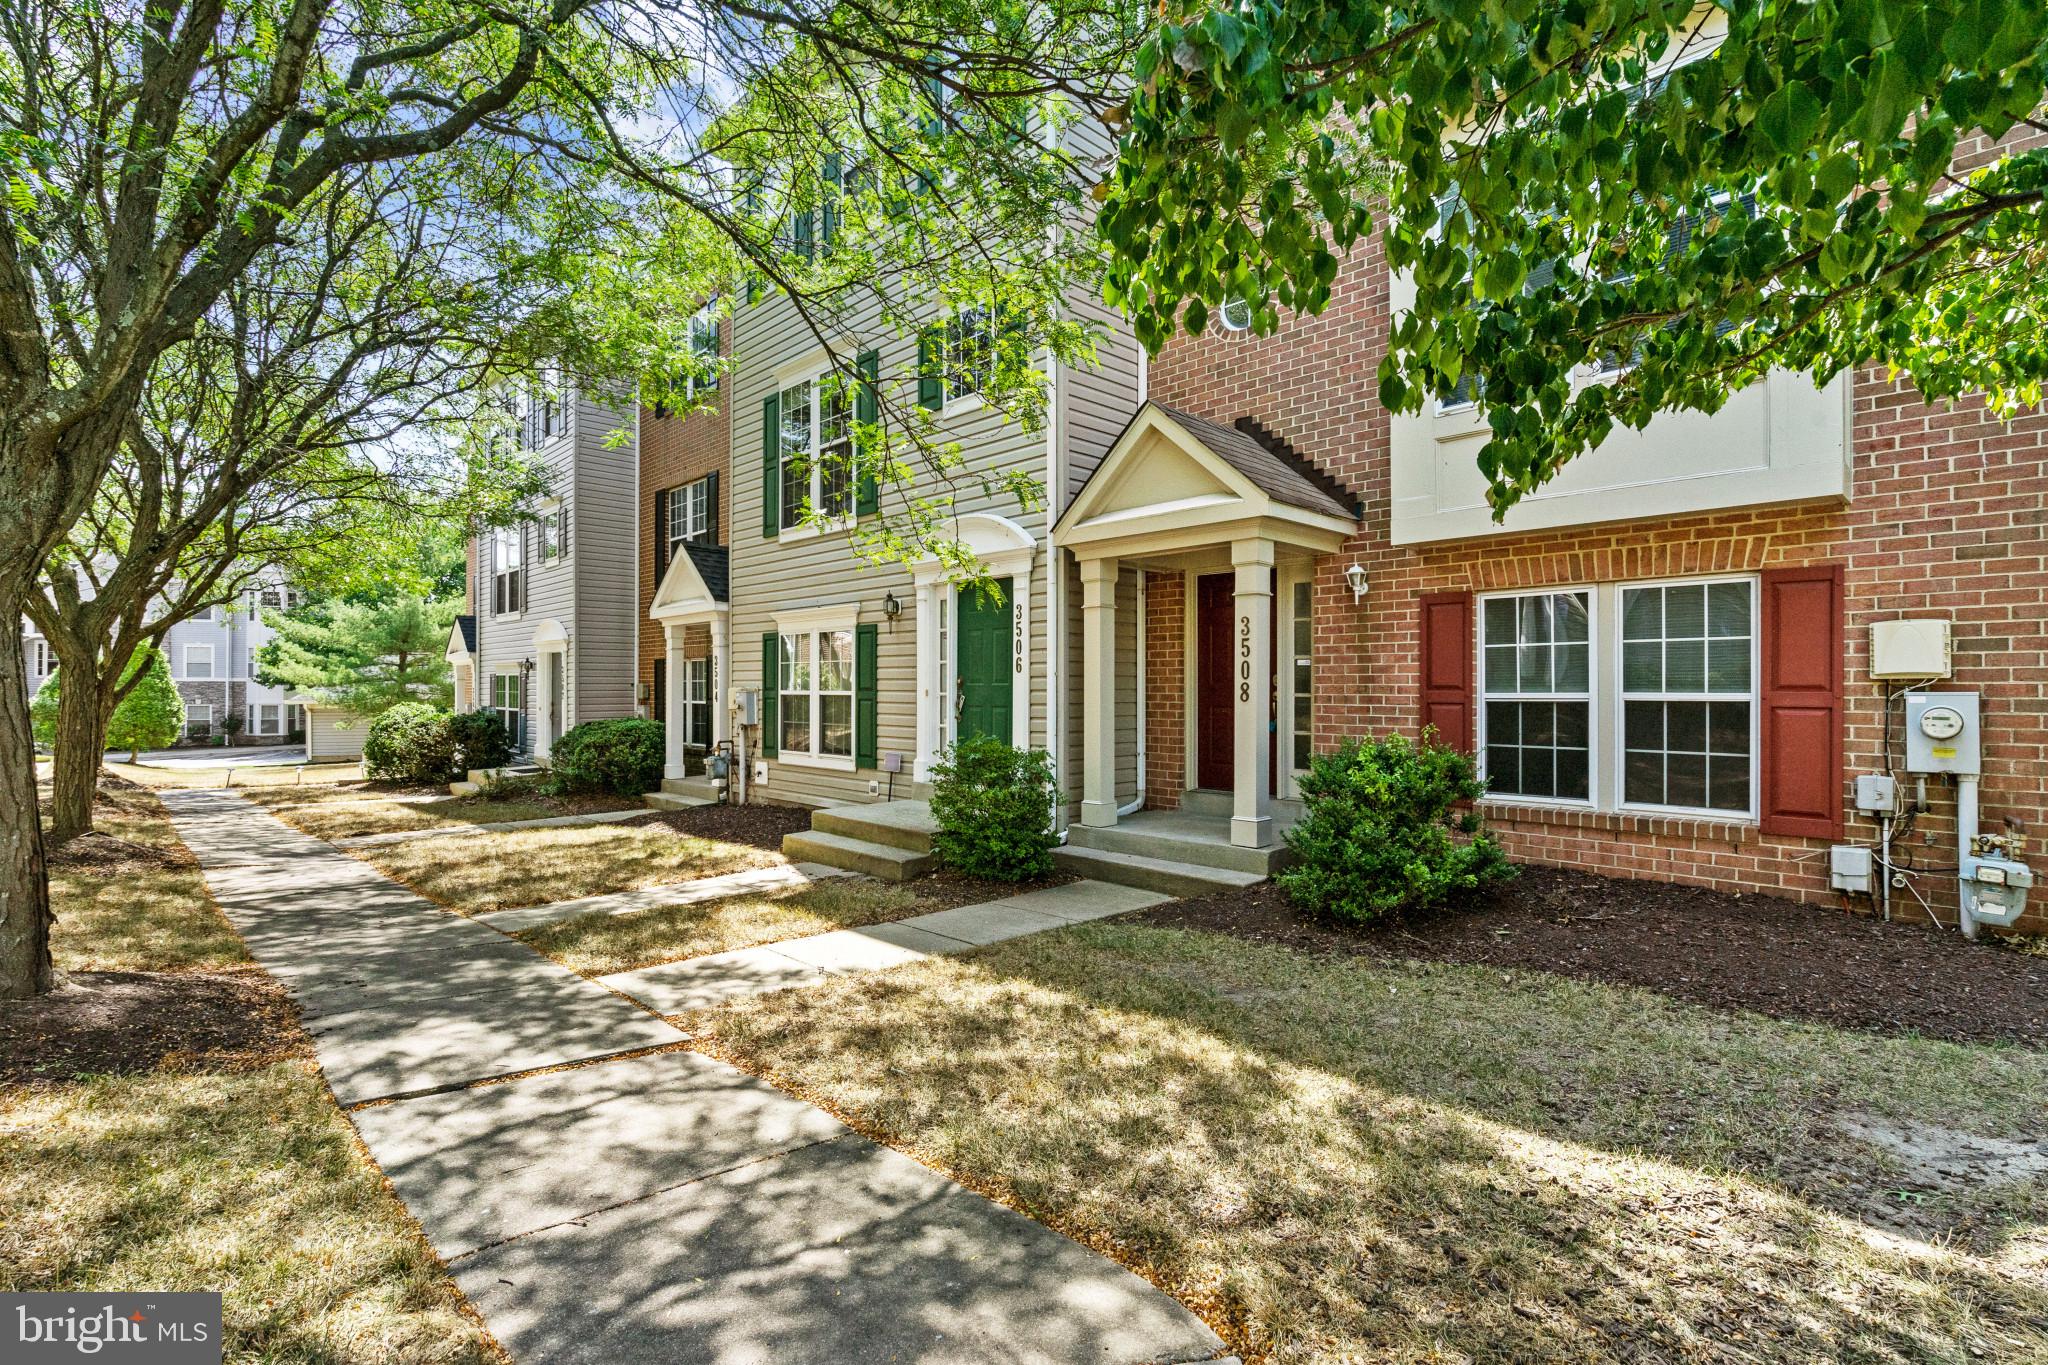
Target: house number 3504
1244,658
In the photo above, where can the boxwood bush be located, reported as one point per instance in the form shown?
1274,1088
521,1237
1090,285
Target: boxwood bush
481,740
993,804
410,742
624,757
1390,829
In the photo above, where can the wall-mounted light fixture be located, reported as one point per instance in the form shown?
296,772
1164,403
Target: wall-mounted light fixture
891,608
1355,576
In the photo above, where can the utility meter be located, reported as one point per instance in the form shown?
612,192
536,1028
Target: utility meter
1994,888
1942,733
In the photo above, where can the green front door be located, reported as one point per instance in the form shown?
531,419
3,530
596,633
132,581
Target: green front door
981,690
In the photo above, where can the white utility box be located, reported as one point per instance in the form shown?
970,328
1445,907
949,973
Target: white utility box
1911,650
1877,794
1849,867
1942,733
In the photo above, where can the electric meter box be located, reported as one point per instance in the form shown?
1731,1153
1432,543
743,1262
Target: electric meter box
1911,650
1942,733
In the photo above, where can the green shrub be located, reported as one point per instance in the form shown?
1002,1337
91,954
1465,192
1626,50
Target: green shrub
1390,828
151,716
481,740
624,757
411,742
993,804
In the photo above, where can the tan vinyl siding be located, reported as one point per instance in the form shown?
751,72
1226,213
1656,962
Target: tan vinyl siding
333,735
603,546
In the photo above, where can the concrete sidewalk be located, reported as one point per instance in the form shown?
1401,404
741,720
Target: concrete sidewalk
701,982
657,1208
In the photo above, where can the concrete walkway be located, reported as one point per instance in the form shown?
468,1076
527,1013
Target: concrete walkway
700,982
405,836
663,1207
776,879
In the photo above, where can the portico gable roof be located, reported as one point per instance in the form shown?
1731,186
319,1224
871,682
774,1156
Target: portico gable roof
695,586
1174,481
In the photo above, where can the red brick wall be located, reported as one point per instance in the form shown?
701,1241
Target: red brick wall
1166,699
1948,517
678,450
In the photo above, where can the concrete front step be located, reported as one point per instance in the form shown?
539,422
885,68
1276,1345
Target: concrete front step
1166,836
675,801
906,825
887,861
708,788
477,779
1209,801
1164,875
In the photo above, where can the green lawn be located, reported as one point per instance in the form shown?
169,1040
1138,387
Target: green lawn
239,1175
1342,1159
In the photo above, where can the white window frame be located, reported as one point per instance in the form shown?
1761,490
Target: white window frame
807,627
508,557
39,658
1753,697
510,716
185,659
697,701
704,320
689,514
551,532
1595,657
955,394
812,382
192,711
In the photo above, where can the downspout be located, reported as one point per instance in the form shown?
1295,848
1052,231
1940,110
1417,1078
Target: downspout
1055,588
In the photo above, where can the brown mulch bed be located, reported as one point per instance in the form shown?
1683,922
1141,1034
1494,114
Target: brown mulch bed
118,1023
755,826
103,854
948,888
1776,957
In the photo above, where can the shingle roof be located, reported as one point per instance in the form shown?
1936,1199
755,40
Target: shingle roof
1283,477
467,625
712,565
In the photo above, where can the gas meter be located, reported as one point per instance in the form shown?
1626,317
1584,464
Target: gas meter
1995,888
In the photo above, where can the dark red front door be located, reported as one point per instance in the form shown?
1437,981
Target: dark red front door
1215,709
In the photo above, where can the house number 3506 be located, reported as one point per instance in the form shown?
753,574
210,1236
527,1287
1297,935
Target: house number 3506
1244,658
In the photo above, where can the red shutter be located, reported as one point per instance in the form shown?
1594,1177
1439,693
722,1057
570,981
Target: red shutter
1447,666
1802,701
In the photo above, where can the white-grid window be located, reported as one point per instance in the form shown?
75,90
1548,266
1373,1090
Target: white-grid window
816,417
1688,695
506,700
969,360
198,720
508,580
704,349
689,514
1536,695
1302,632
553,526
697,703
39,665
816,701
198,661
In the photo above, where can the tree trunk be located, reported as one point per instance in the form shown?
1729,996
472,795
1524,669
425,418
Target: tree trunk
83,716
24,882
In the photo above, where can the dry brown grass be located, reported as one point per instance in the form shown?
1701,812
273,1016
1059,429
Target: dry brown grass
268,775
1339,1160
542,866
239,1178
342,819
597,944
129,897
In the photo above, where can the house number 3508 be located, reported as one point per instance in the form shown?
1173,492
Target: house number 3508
1244,658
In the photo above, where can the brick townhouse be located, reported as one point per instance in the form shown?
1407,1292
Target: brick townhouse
1663,661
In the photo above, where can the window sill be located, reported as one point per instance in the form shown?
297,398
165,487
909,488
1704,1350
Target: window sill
1731,829
805,531
829,762
963,405
507,616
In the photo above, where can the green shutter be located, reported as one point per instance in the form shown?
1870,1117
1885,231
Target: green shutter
867,646
771,690
771,466
800,233
828,199
931,395
867,495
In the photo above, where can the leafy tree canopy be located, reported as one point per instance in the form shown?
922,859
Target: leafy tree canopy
364,656
1678,196
150,714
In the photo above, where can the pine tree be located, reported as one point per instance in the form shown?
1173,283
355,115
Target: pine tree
365,657
150,716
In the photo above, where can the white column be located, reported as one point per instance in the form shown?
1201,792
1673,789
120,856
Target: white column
927,679
721,669
1020,658
1251,818
674,727
1098,691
